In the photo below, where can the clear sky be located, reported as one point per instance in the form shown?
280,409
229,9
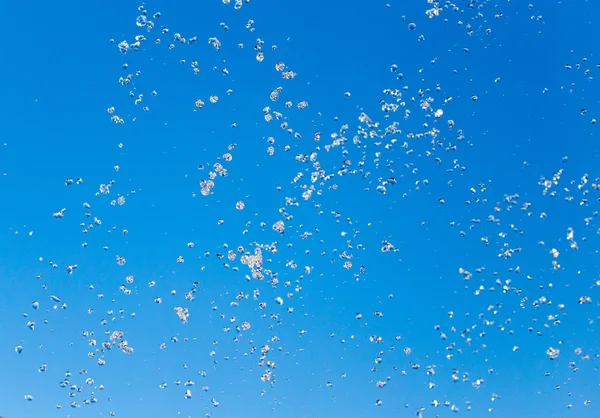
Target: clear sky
433,253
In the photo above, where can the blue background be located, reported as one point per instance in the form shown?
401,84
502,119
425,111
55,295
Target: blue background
61,74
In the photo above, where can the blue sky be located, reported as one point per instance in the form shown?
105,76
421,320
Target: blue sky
518,95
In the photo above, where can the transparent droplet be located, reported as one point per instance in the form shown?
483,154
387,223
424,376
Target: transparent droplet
141,20
552,352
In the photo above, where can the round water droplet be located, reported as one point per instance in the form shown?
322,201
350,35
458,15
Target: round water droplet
141,20
552,352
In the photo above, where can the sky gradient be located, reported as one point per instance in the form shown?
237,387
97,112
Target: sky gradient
435,178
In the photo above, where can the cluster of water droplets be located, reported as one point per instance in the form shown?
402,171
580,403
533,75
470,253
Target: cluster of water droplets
411,143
